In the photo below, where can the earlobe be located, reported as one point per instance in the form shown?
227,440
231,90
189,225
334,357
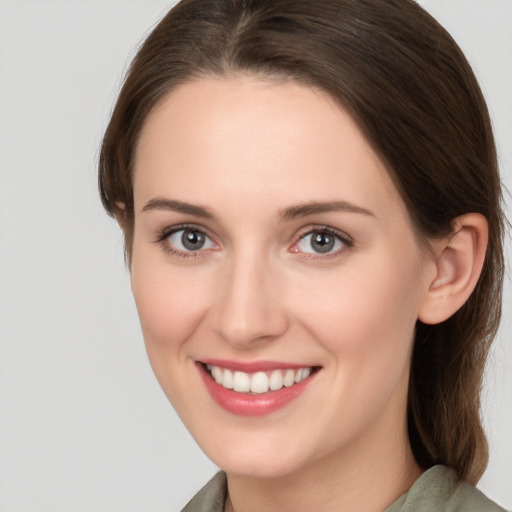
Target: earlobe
459,259
120,212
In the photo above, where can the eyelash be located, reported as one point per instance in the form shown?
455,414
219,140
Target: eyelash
163,236
346,241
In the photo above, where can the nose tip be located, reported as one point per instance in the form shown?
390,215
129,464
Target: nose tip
250,308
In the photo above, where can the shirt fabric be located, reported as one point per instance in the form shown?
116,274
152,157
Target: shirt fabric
437,490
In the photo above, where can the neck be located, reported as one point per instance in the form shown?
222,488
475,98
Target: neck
367,476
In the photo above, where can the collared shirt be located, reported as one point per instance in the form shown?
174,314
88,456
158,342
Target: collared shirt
437,490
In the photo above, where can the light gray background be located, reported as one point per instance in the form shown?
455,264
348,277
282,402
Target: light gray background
83,424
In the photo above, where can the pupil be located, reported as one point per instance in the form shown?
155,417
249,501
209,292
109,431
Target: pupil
192,240
322,242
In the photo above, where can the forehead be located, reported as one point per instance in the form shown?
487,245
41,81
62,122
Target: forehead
252,138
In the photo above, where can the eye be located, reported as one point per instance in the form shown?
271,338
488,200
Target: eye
186,240
322,241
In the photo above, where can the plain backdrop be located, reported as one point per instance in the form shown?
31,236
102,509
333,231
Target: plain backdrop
83,423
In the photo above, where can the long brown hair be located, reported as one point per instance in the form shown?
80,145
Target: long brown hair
415,98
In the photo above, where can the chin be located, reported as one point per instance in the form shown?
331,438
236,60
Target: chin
257,467
255,456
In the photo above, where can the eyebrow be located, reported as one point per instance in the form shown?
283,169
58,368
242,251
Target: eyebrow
290,213
303,210
161,203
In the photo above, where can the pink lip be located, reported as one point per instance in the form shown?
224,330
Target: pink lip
252,405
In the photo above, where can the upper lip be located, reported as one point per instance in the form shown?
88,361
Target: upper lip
254,366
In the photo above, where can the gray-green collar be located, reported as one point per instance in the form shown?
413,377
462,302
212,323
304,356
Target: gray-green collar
437,490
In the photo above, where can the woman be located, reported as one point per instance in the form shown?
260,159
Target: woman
311,207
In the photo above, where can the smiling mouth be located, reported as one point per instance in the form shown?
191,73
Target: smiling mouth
259,382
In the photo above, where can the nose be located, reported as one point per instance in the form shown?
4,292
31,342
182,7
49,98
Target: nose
250,308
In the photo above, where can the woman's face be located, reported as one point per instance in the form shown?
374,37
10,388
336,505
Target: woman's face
270,244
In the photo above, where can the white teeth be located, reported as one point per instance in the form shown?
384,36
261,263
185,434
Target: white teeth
259,382
289,378
241,382
217,374
276,380
228,381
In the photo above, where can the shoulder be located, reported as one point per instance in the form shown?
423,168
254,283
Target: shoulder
438,489
211,497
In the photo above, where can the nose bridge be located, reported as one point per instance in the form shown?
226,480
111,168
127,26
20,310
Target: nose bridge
249,307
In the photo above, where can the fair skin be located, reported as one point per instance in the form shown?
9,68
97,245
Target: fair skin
336,288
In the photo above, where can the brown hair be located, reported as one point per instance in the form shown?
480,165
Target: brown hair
415,98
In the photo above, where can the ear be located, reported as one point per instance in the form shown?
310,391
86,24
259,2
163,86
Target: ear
458,260
120,213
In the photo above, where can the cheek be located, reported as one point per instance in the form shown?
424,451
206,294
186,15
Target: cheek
365,316
365,305
171,304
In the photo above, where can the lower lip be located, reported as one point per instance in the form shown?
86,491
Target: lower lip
251,405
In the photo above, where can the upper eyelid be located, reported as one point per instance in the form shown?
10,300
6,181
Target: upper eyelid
326,229
162,234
